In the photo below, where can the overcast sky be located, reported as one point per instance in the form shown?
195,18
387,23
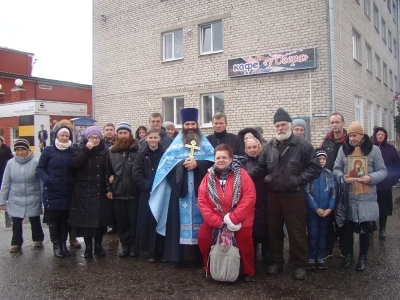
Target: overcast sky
58,32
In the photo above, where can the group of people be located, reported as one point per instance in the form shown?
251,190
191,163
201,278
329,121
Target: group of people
169,193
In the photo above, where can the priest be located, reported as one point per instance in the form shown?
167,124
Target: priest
173,200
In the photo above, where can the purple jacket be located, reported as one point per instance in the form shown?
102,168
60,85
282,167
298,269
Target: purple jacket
391,159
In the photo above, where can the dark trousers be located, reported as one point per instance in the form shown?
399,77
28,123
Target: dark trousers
332,235
349,239
36,227
317,228
289,208
58,228
126,212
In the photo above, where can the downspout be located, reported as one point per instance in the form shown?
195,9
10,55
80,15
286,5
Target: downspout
332,54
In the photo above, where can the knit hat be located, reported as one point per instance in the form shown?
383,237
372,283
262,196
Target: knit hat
355,127
168,124
63,129
299,122
21,143
92,130
321,153
124,126
281,115
189,114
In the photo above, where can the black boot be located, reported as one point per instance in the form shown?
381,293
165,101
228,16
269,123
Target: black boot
347,261
89,247
64,237
55,239
125,251
362,263
382,233
134,252
98,248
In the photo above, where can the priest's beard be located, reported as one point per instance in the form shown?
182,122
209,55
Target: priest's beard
123,143
283,135
188,136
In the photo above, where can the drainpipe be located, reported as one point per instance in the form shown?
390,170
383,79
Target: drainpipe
332,54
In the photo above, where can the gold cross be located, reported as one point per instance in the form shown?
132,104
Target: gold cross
192,147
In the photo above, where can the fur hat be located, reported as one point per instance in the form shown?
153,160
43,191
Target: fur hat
92,130
281,115
299,122
21,143
355,127
124,126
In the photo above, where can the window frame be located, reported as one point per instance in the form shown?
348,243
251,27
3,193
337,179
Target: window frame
176,112
370,117
384,73
390,40
376,16
164,34
358,105
356,46
202,26
379,115
391,79
213,112
368,57
395,48
384,30
367,8
378,70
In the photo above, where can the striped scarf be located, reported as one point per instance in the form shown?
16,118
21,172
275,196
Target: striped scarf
237,184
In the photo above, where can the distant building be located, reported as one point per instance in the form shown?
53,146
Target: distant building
27,102
247,58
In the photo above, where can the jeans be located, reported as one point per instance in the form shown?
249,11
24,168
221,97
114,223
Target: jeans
317,230
36,228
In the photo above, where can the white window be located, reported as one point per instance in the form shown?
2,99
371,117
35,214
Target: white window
376,17
210,105
395,83
383,30
390,41
358,110
370,117
368,57
389,5
391,80
367,8
172,45
378,72
395,48
394,12
211,38
391,127
356,45
384,76
172,109
379,115
386,118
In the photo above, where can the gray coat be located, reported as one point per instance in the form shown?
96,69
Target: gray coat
364,207
21,187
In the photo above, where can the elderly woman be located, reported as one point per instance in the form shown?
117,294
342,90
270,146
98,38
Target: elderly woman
358,209
170,129
5,155
56,173
392,163
91,210
226,198
21,188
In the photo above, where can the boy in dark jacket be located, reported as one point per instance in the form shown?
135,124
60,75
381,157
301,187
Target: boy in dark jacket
320,197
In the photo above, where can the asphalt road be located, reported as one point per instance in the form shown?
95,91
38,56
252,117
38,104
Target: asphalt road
37,274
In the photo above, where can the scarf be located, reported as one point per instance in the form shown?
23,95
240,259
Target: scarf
62,146
237,183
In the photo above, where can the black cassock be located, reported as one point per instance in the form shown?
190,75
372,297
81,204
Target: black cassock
177,178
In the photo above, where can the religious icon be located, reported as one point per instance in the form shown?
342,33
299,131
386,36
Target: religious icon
357,166
192,147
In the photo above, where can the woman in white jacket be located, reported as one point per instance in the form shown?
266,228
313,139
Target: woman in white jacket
21,188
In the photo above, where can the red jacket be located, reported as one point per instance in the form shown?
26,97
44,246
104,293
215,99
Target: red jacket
244,211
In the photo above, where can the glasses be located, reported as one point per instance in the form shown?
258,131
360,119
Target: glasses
299,129
94,138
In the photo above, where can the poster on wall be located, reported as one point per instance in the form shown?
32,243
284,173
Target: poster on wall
42,134
273,62
79,133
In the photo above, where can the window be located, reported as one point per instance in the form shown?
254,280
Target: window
211,38
368,57
386,119
172,108
384,75
367,8
376,18
390,41
383,30
370,118
378,72
394,12
395,84
356,45
173,45
211,104
391,80
379,115
395,48
358,110
389,5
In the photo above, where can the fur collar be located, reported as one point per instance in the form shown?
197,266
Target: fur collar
366,146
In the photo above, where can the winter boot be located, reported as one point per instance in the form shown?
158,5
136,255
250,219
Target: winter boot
362,263
56,240
382,233
347,261
98,248
89,247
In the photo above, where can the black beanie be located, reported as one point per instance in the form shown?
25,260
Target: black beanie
281,115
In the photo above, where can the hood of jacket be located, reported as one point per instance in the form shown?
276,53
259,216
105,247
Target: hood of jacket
376,131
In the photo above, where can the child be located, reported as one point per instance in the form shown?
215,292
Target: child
320,197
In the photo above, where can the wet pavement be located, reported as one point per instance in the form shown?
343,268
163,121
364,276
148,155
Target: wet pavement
37,274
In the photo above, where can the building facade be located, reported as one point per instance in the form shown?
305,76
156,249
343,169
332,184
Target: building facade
246,58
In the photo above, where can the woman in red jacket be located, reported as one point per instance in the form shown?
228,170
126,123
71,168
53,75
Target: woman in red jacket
227,197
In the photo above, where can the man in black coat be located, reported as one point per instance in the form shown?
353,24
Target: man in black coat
123,189
156,121
42,136
288,163
221,136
